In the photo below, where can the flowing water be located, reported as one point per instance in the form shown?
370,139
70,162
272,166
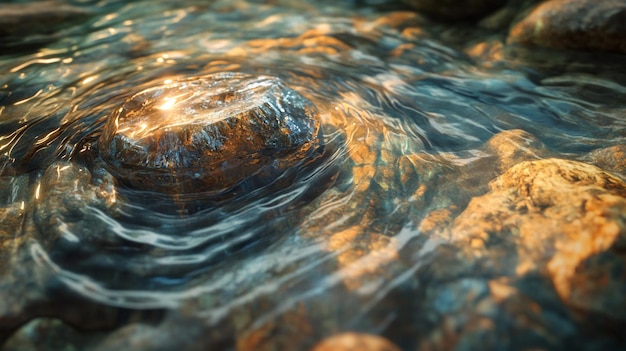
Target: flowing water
406,108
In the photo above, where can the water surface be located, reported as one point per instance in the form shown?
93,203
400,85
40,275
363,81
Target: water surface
406,109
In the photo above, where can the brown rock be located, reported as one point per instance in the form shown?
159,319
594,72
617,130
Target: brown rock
501,152
531,262
553,213
612,158
454,9
355,341
38,17
208,133
574,24
514,146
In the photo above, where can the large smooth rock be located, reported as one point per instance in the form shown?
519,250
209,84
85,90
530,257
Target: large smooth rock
454,9
208,133
574,24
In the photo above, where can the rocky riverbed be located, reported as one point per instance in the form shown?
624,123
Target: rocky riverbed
313,175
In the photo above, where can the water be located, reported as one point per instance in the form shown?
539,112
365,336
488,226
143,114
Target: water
406,108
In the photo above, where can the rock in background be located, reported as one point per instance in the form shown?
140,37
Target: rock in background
454,9
574,24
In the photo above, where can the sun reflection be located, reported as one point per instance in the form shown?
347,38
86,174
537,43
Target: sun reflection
142,127
33,62
168,104
89,79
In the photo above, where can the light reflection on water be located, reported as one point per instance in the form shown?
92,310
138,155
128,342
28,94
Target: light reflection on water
402,116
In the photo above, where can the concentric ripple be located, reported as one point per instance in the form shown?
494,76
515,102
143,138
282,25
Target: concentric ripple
237,162
183,176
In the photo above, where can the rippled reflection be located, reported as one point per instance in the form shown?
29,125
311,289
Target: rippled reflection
239,163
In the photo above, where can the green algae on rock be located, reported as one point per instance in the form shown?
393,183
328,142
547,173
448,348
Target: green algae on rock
208,133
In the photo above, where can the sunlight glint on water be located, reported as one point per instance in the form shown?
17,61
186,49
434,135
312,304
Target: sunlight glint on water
398,125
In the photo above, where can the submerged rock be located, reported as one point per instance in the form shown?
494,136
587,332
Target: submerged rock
535,262
355,341
553,215
47,334
38,17
13,198
64,197
574,24
208,133
453,10
612,158
513,146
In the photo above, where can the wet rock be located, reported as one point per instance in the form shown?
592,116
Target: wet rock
47,334
11,218
38,17
355,341
37,292
453,10
64,196
477,302
612,158
13,203
498,154
208,133
574,24
551,215
518,276
173,332
497,314
38,215
599,281
514,146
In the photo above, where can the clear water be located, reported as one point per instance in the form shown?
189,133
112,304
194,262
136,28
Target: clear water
406,108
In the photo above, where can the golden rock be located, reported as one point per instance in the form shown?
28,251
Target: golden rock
208,133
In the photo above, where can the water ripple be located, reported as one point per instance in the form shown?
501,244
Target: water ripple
401,116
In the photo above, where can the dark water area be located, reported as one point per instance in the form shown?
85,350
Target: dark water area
416,118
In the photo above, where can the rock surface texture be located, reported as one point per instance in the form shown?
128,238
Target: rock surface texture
555,212
547,239
369,179
208,133
574,24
